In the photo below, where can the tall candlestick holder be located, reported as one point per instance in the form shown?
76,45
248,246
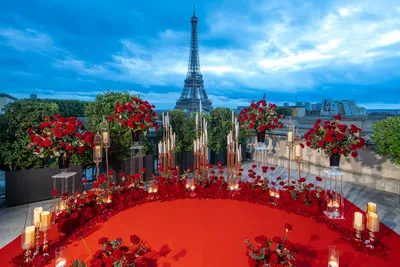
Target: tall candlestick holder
97,153
290,144
167,145
200,144
105,137
45,225
234,157
37,239
358,224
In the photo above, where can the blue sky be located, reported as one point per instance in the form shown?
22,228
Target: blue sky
305,49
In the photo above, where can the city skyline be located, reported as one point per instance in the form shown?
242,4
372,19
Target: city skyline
287,49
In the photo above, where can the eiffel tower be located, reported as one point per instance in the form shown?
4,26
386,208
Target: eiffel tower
193,92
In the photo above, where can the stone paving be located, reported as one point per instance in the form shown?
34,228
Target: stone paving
14,219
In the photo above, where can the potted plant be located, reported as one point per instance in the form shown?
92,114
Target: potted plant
261,117
334,139
219,125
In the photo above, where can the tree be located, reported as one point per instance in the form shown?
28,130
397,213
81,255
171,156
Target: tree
284,111
219,125
121,138
179,119
386,137
18,117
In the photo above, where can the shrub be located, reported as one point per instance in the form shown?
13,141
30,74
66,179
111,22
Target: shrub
386,137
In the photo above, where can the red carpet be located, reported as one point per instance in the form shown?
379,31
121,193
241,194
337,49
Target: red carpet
212,232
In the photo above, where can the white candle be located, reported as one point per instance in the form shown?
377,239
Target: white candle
155,190
358,220
371,207
150,190
29,235
192,187
36,215
163,119
332,263
373,221
272,194
233,116
194,145
45,219
298,151
290,137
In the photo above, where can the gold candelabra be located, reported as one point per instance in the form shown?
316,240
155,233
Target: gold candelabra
234,152
166,147
97,152
200,146
105,138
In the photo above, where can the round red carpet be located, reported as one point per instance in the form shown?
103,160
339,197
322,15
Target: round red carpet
212,232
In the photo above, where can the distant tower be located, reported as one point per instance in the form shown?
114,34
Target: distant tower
193,91
265,97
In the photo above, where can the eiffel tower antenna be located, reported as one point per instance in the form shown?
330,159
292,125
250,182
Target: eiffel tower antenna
193,91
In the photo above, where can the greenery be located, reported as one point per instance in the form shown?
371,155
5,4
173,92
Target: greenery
219,125
17,118
121,138
68,108
284,111
386,137
179,119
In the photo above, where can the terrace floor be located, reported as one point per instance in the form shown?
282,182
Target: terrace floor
14,219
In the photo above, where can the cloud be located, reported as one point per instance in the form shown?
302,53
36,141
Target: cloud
28,40
389,38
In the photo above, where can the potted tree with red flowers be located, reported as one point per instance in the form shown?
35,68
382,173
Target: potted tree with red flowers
334,139
136,115
261,117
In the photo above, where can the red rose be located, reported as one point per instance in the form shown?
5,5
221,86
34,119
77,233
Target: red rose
288,227
109,248
117,254
354,154
287,244
46,142
273,259
321,143
89,137
353,146
98,254
108,262
272,168
95,185
54,193
340,136
110,119
252,262
342,152
302,145
96,263
277,239
57,133
319,179
335,150
262,240
302,180
81,150
337,117
102,240
69,148
135,239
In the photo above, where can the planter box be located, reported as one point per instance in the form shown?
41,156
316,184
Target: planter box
120,166
221,157
184,160
33,185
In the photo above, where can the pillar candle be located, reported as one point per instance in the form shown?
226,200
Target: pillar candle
358,220
298,151
373,221
371,207
36,215
290,137
29,235
45,219
97,151
233,116
163,120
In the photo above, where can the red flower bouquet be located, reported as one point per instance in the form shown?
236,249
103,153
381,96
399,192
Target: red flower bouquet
137,115
261,117
334,139
113,253
59,135
276,252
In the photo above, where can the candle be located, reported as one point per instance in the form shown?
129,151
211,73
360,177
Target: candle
192,187
231,187
298,151
36,215
106,138
290,137
45,219
150,190
333,263
155,190
330,204
29,235
358,220
276,195
62,206
61,263
373,222
233,116
187,186
335,204
109,200
97,151
272,194
236,186
163,121
371,207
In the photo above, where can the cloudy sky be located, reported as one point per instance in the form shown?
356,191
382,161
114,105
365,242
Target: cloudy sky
306,49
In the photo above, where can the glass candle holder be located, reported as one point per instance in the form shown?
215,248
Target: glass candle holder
358,224
333,256
45,225
28,241
373,227
61,260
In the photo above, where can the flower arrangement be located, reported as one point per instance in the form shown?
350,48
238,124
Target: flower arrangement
261,117
334,139
59,135
114,253
137,115
277,252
